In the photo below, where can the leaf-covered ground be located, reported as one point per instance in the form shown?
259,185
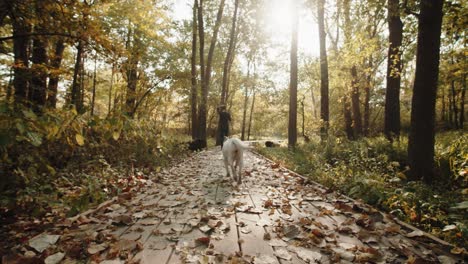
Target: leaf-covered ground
193,213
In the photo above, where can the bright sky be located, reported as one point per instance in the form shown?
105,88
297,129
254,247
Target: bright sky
278,15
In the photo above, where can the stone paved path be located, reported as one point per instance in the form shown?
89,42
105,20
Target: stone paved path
193,213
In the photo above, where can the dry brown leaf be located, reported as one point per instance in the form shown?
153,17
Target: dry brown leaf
268,203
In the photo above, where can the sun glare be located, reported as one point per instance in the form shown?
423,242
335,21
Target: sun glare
279,16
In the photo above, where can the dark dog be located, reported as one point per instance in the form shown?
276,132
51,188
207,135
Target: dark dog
197,145
271,144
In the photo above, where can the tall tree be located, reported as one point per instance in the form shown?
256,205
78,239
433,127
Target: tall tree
75,97
39,59
55,63
355,93
229,55
93,96
392,95
21,29
227,68
347,107
324,108
246,101
252,108
292,126
193,61
422,134
206,74
134,47
462,102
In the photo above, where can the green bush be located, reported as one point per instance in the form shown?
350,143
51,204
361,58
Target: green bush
45,156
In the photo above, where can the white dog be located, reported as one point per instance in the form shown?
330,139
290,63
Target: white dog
233,154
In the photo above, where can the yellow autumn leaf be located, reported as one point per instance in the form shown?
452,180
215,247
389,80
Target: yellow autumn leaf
116,135
79,139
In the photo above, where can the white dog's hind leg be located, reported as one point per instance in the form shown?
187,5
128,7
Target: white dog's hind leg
240,165
226,165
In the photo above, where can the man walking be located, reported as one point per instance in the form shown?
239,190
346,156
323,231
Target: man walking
223,125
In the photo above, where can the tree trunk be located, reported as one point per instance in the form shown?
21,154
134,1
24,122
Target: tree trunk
392,95
324,108
348,118
244,113
55,64
109,107
450,110
251,114
303,116
39,67
227,70
292,127
75,97
201,37
454,104
202,114
421,137
314,102
9,88
193,61
355,94
462,103
228,60
93,98
443,109
82,84
351,111
246,101
132,79
21,56
367,94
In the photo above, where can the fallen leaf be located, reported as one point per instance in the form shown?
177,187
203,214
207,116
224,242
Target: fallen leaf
308,256
291,231
79,139
148,222
245,230
268,203
43,241
55,258
446,260
204,228
96,248
139,215
265,259
278,243
416,233
122,220
282,253
203,240
393,228
457,250
160,245
449,227
263,222
347,246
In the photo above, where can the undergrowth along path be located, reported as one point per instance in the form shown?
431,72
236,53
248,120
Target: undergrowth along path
193,213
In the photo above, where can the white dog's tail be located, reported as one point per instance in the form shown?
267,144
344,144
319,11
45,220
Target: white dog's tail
238,143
